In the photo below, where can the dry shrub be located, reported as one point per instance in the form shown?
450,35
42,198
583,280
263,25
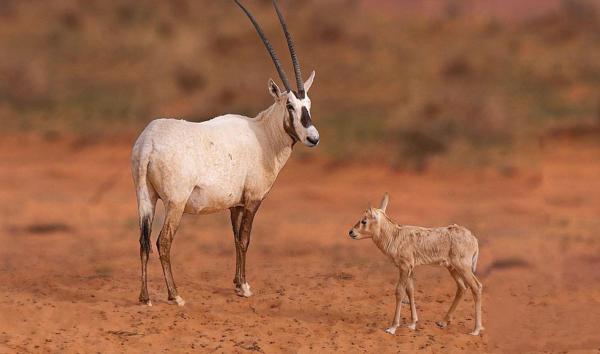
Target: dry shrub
414,84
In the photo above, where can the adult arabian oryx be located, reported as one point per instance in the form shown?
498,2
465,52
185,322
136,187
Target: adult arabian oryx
228,162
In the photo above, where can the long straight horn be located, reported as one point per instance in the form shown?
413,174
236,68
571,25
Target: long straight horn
267,44
292,48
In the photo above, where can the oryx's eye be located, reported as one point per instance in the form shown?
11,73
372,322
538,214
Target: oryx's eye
289,106
364,221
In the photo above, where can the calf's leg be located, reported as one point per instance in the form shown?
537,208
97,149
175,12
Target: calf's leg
476,289
460,290
410,290
400,290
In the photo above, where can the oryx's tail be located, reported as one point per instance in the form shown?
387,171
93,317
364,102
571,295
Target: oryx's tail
146,197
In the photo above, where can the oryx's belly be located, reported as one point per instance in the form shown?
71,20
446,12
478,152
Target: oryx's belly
210,200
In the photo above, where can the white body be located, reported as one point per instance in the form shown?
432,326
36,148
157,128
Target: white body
213,165
228,162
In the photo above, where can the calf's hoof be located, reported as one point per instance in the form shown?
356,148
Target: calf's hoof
442,324
391,330
243,290
146,302
477,331
412,326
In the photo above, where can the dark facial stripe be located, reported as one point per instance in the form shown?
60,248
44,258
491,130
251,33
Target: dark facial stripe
288,126
305,118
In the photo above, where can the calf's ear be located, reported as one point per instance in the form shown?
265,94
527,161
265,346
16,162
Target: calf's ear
384,202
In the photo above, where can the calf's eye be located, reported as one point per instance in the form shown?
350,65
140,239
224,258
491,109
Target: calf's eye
364,222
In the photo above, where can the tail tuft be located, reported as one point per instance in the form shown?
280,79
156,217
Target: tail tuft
474,263
145,235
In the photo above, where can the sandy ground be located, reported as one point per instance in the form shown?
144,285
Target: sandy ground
69,263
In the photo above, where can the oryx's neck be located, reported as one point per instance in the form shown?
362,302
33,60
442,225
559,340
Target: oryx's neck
279,146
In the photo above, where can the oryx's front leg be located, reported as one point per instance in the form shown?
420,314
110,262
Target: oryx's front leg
400,290
172,219
241,221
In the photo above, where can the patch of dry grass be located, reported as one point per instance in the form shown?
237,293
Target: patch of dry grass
422,85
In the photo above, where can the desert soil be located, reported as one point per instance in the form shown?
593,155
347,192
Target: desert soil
69,259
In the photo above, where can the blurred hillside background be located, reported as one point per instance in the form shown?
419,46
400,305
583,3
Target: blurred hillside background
472,81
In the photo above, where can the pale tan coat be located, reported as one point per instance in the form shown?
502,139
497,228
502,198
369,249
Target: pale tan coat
453,247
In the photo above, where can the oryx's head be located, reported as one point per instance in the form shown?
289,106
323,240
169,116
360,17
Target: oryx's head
369,223
297,123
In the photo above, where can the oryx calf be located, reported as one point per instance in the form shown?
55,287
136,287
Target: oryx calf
453,247
228,162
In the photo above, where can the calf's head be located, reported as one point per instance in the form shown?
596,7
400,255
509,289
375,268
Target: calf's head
369,224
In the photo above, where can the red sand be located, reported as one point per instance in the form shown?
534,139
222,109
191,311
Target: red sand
69,263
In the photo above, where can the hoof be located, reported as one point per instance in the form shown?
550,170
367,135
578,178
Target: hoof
243,290
442,324
477,331
391,330
412,326
178,300
146,302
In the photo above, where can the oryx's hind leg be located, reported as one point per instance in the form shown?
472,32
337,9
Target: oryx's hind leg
172,218
146,203
241,221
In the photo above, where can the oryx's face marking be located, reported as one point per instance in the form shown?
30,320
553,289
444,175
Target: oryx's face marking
298,124
300,120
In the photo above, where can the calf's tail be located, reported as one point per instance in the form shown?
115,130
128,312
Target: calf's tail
474,260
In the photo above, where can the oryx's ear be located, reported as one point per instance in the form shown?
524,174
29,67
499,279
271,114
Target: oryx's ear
308,83
384,202
274,89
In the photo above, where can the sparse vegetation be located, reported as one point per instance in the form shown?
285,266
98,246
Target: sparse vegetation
421,84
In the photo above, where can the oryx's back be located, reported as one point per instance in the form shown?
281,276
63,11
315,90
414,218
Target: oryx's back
205,163
210,136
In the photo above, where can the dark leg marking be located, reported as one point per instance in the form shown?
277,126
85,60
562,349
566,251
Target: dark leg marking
145,249
242,241
172,219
